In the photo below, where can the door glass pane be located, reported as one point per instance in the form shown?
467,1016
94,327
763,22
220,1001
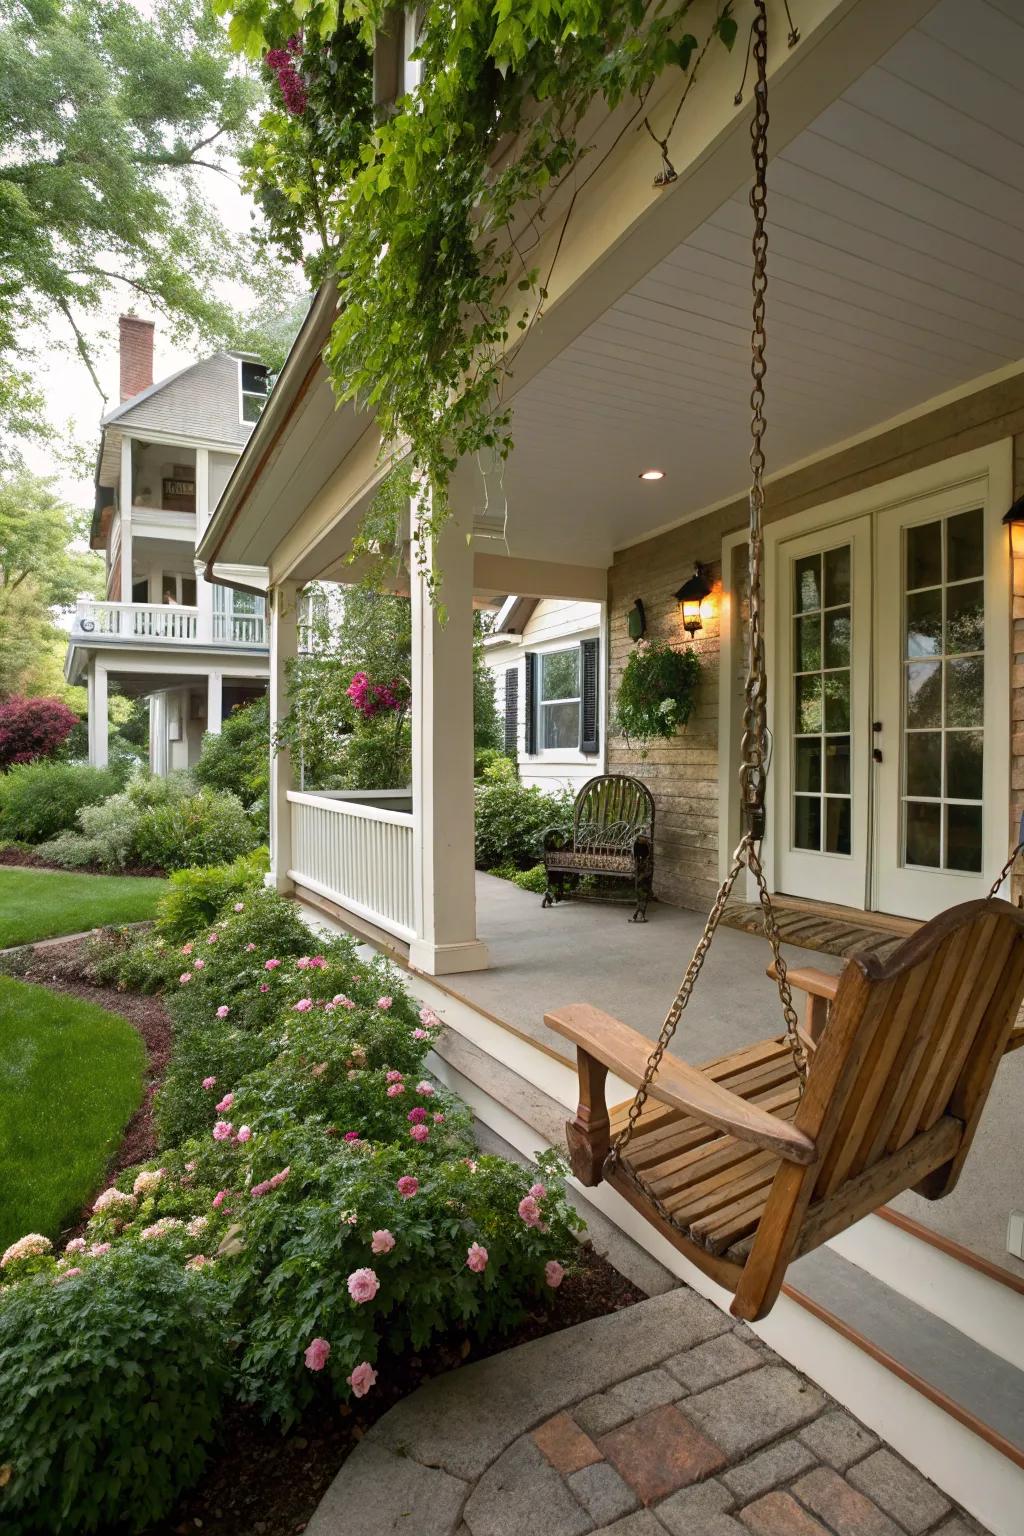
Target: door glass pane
943,755
823,650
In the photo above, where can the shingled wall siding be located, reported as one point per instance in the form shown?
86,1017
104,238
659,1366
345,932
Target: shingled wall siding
683,773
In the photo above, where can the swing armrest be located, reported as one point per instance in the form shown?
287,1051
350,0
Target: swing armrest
809,979
623,1050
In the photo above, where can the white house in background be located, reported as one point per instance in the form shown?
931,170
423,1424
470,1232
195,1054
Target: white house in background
546,657
162,631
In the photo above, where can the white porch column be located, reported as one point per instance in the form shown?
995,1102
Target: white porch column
282,615
98,727
125,503
204,591
442,764
214,702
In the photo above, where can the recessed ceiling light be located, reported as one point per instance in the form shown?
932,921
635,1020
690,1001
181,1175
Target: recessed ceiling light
652,474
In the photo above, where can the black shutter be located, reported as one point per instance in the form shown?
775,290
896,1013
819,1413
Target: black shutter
512,711
530,700
590,730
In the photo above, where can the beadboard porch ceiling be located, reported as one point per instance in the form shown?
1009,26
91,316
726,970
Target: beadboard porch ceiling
896,274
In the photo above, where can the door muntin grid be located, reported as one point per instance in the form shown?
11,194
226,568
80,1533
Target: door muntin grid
821,799
943,694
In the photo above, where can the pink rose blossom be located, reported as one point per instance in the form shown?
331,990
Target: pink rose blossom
476,1258
319,1069
239,906
363,1285
213,937
272,965
395,1090
417,1116
439,1119
186,949
362,1379
97,1250
382,1241
76,1245
317,1354
220,1197
67,1274
223,1011
317,963
554,1274
538,1191
223,1130
250,949
529,1211
185,978
425,1090
429,1018
352,1136
199,964
303,963
470,1164
384,1003
197,1261
341,1001
394,1077
208,1083
420,1034
226,1102
244,1133
264,986
419,1132
407,1186
303,1005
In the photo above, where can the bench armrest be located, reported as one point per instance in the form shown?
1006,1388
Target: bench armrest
617,1047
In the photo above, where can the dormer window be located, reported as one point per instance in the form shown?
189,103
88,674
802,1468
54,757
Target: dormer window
254,390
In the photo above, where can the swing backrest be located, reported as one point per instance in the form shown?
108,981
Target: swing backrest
897,1086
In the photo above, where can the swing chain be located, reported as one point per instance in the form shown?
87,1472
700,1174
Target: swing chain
1011,861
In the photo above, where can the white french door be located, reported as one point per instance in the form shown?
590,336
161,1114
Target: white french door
891,701
822,739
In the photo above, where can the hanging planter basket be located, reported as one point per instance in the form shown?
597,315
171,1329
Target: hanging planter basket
657,693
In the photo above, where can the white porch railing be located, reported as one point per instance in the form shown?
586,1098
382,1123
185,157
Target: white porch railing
356,855
239,628
149,621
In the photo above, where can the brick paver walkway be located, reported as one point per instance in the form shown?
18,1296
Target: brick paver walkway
663,1420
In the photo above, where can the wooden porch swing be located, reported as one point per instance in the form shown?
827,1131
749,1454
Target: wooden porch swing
755,1158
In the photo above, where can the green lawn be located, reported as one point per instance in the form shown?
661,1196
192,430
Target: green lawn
70,1078
44,903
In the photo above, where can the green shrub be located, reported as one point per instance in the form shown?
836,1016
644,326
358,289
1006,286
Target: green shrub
108,832
491,764
238,758
39,800
535,879
657,691
511,821
209,827
378,754
196,897
132,960
113,1383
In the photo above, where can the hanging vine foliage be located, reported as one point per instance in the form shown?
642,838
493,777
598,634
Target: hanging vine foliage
416,214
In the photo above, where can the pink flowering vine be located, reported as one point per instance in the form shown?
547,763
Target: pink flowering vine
282,63
377,698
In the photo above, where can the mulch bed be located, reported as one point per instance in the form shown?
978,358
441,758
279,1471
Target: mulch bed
261,1482
25,858
264,1483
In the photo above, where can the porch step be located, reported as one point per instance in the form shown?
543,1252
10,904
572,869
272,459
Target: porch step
978,1388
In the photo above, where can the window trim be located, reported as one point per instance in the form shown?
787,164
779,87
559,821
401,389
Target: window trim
244,394
542,703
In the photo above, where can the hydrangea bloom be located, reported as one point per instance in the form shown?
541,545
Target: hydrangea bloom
384,1003
317,1354
362,1379
114,1199
31,1246
197,1225
161,1228
148,1180
382,1241
554,1274
197,1261
75,1245
223,1011
186,949
271,965
439,1119
303,1005
352,1136
264,986
223,1130
198,965
185,978
419,1132
417,1116
97,1250
363,1285
226,1102
341,1001
529,1211
476,1258
407,1186
67,1274
538,1191
395,1089
209,1082
393,1076
425,1090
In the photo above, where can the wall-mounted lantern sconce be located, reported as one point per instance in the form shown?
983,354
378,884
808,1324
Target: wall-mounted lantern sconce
690,598
1014,520
636,621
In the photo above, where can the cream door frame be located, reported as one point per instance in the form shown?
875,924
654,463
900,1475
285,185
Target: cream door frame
990,469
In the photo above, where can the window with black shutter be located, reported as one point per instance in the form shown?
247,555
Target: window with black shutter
590,729
512,710
530,700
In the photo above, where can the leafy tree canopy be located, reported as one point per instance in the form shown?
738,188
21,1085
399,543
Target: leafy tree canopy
37,531
108,113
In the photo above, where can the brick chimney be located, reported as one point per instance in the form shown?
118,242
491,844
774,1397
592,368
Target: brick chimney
136,355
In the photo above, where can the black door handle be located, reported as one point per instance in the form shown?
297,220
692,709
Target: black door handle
877,754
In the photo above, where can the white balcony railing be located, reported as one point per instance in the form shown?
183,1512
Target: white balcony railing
356,855
167,621
138,621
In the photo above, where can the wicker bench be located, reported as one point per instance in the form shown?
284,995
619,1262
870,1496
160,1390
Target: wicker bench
612,839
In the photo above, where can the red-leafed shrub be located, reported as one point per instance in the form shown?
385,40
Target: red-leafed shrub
32,728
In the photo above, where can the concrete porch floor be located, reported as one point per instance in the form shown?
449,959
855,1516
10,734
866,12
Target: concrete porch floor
590,952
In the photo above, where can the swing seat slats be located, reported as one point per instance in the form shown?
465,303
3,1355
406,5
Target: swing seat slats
740,1172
